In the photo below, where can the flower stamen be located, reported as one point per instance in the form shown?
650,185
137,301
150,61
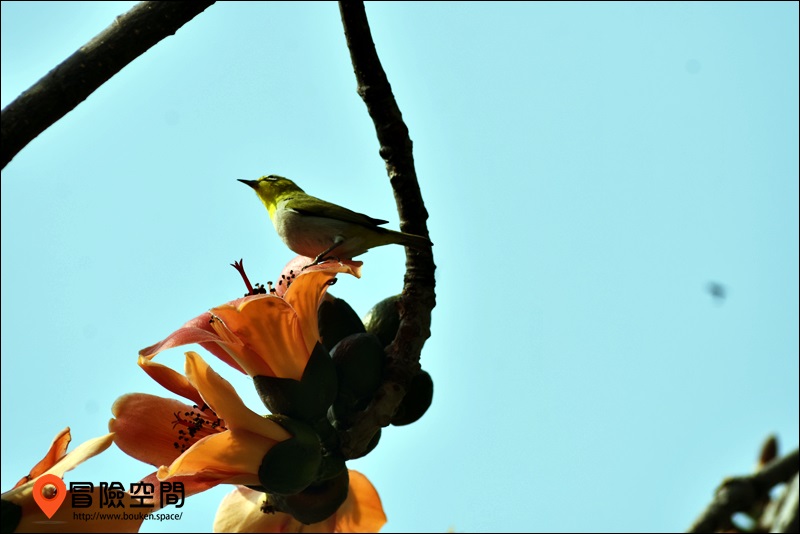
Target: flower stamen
257,290
239,266
197,425
267,507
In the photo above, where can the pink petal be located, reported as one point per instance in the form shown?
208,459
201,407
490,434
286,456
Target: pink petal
197,330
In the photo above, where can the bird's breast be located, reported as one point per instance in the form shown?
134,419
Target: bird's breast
309,235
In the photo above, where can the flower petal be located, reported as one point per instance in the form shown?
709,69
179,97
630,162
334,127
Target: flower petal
21,494
362,511
80,454
223,399
253,363
240,511
231,457
171,380
304,297
197,330
270,328
156,430
192,485
57,451
299,265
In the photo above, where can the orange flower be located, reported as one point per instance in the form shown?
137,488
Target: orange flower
57,462
270,335
219,440
58,449
241,511
274,338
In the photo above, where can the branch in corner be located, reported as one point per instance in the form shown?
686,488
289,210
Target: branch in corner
78,76
740,494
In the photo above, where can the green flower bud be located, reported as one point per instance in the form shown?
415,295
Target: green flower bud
417,400
359,361
337,320
383,320
317,502
292,465
308,399
332,466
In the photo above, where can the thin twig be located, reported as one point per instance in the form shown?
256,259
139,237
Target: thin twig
78,76
739,494
418,297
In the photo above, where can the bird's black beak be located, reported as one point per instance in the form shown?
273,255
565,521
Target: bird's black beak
251,183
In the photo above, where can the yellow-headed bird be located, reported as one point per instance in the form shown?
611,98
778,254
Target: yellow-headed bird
317,229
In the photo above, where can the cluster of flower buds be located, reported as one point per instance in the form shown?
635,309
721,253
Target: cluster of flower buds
306,475
358,350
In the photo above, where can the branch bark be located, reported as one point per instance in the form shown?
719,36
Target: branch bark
739,494
418,298
78,76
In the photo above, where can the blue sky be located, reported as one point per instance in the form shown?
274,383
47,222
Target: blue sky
588,169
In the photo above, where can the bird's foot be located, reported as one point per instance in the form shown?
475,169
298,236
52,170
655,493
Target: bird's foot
320,259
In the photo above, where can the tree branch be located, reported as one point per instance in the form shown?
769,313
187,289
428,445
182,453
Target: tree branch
739,494
418,297
784,516
71,82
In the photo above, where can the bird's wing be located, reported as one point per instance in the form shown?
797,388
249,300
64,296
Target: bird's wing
315,207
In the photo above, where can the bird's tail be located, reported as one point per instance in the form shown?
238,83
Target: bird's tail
408,240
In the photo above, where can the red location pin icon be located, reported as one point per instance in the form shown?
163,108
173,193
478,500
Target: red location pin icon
49,492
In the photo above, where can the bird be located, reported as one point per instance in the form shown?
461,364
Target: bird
317,229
